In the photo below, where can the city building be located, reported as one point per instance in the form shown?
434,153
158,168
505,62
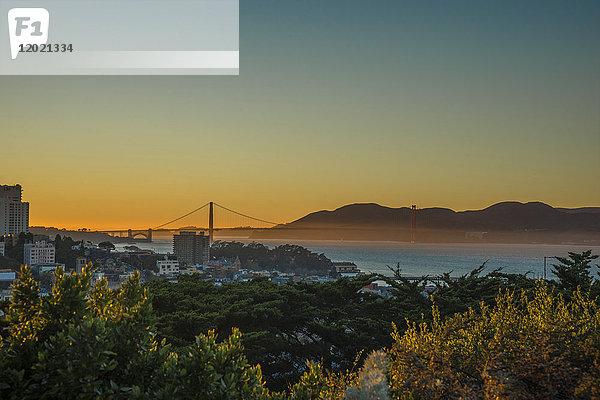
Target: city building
378,288
2,249
191,248
5,294
46,267
14,214
7,275
167,267
96,276
346,269
38,253
80,264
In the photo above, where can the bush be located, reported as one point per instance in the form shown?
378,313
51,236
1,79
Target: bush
530,345
372,381
98,343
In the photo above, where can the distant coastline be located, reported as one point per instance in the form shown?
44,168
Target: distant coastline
506,222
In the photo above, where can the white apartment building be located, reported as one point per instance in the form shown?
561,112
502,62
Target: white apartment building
167,267
14,214
39,253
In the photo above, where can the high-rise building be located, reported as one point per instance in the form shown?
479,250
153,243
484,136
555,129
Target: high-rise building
14,214
190,248
38,253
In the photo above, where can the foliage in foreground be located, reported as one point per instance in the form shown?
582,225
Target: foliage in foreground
283,326
529,345
541,342
82,343
532,344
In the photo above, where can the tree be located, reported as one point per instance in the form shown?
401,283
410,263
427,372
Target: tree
574,271
108,246
89,343
16,251
524,346
143,262
283,326
469,290
286,257
46,279
64,251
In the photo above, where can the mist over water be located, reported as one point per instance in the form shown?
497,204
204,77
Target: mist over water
420,258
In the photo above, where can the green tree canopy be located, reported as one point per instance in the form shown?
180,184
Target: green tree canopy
90,343
106,245
285,258
574,270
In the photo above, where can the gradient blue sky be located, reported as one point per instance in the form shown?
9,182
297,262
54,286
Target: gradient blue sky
457,104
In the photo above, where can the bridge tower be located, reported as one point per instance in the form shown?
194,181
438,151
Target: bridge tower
210,223
413,223
129,234
149,235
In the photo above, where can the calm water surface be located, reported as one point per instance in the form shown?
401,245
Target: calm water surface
421,259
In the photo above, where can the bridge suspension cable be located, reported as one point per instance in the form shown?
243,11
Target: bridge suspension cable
246,216
220,206
182,217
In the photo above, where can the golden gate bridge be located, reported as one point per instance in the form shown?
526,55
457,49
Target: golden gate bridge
147,234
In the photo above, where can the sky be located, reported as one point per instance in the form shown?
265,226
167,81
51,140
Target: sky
458,104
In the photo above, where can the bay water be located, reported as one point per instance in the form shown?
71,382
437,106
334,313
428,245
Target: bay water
419,259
